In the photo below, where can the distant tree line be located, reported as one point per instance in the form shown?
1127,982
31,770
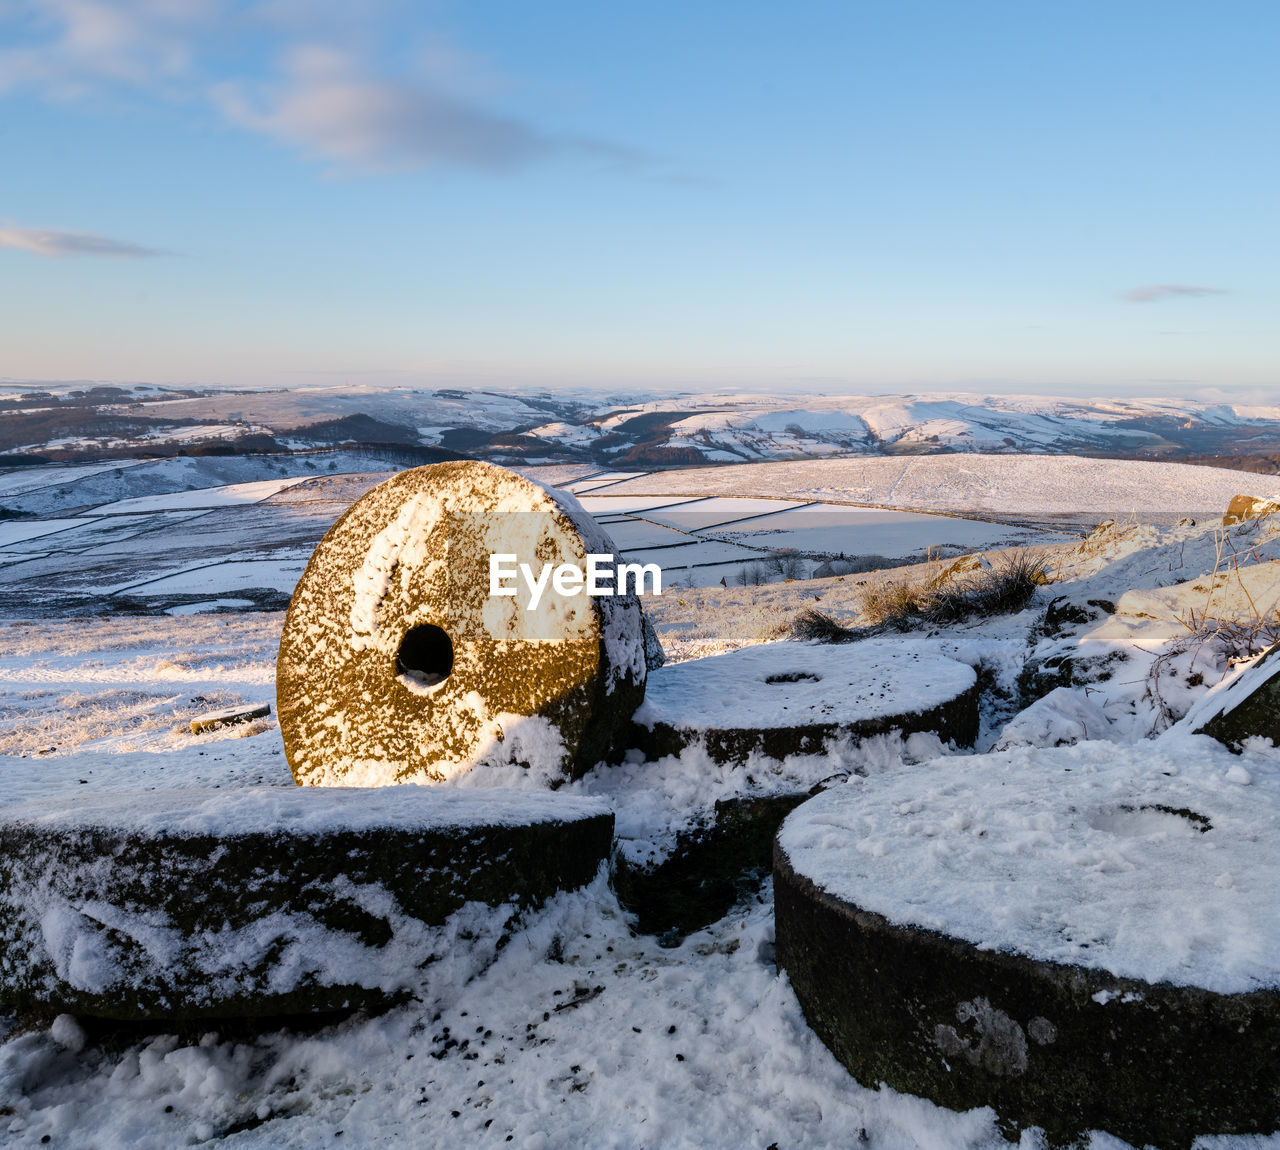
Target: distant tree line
790,564
1258,464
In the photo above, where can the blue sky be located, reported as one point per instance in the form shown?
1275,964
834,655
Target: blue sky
861,196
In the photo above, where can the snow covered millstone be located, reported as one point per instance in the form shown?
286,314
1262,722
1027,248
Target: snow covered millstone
790,698
397,664
269,901
1083,938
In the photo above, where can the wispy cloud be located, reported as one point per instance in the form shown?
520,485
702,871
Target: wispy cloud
67,49
325,86
330,105
327,106
52,243
1151,293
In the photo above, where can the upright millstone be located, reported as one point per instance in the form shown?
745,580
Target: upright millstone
397,663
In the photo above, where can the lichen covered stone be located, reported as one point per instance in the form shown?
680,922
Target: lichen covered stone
397,664
266,902
1244,507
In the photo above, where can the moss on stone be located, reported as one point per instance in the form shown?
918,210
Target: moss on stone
1045,1044
192,926
1257,714
955,720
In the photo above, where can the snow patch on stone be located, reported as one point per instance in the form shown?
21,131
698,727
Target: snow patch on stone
803,684
1103,856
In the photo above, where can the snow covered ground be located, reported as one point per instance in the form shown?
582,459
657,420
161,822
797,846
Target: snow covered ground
1006,485
581,1033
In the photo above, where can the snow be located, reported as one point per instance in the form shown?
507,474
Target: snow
735,427
233,575
132,479
229,495
655,801
1231,592
1062,717
207,605
565,433
67,1033
578,1035
600,479
632,534
203,431
998,484
19,481
1071,855
749,688
694,554
100,705
723,427
20,530
629,504
193,811
716,512
829,528
228,759
80,536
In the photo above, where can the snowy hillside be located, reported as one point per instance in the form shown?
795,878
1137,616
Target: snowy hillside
747,429
646,430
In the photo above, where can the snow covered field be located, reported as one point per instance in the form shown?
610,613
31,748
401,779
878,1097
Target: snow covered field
1009,485
581,1033
190,532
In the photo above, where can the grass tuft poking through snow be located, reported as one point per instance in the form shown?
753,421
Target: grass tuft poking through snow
1004,588
812,625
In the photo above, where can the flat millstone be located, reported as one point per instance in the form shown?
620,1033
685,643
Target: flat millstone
1083,938
790,698
396,664
270,901
229,717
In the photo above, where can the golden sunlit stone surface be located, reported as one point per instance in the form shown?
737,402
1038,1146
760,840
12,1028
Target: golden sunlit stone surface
396,663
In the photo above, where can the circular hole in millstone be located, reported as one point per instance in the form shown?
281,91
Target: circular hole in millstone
794,677
425,655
